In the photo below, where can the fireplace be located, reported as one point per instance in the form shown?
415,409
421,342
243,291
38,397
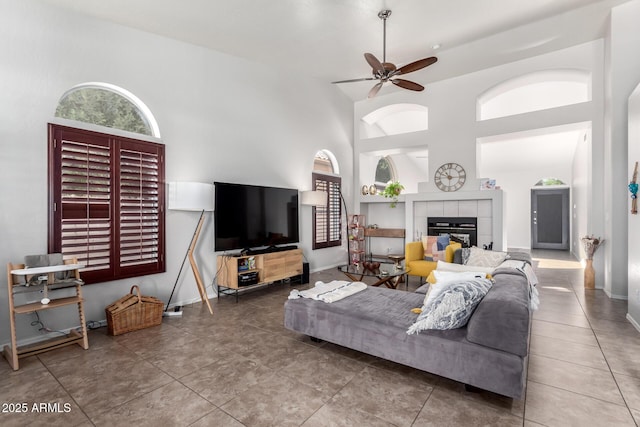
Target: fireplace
462,229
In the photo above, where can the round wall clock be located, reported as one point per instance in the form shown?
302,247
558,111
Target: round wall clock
450,177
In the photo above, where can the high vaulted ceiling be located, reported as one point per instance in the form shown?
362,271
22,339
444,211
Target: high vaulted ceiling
326,39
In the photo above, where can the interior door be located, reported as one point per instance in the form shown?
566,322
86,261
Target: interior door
550,218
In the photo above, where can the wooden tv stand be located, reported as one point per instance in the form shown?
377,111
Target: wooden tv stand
265,268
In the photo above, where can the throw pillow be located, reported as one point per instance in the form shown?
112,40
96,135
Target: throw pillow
451,305
434,247
447,276
442,277
483,258
450,266
461,255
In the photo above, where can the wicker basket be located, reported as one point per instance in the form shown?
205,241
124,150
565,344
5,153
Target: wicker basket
133,312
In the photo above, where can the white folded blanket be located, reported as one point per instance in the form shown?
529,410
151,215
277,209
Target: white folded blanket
329,292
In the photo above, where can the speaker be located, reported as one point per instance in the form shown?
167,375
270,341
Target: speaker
248,279
304,277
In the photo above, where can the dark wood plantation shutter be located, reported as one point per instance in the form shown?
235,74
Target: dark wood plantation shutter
107,199
327,220
139,207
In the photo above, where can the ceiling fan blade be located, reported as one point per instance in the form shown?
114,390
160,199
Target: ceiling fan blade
417,65
374,90
376,65
355,80
406,84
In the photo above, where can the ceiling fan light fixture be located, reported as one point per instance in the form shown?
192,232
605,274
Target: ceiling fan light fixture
386,71
384,14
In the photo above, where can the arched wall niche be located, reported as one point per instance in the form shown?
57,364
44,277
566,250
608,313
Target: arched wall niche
535,91
394,119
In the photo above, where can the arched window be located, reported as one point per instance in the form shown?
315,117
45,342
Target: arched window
327,221
109,106
533,92
394,119
325,162
108,189
385,172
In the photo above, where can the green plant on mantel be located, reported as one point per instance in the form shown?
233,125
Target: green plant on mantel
392,191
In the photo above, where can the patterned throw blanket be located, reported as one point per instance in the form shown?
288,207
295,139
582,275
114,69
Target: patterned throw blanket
450,305
329,292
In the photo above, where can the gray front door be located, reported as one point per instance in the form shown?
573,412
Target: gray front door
550,218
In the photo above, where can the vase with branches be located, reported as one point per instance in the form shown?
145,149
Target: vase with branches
590,245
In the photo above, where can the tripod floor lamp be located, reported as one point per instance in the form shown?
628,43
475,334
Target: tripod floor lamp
198,197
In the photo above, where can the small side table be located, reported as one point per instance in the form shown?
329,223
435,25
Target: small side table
12,352
397,259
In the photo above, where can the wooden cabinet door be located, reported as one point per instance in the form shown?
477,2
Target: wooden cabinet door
293,263
273,267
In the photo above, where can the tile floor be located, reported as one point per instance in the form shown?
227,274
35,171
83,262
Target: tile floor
241,367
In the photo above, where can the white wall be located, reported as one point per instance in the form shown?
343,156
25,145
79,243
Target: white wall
634,220
579,194
628,15
519,162
453,129
623,75
222,119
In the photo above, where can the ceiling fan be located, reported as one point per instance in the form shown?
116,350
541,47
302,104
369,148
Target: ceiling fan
386,71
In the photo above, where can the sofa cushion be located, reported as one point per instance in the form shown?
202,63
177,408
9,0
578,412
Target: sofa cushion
449,306
484,258
450,266
443,276
423,289
502,319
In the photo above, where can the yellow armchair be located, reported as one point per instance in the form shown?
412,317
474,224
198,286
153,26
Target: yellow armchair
417,265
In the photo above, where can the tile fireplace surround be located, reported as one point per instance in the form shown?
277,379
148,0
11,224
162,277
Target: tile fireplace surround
487,206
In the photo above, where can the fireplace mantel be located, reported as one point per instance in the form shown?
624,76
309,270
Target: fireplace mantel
490,224
496,198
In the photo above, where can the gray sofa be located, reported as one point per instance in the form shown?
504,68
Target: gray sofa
490,352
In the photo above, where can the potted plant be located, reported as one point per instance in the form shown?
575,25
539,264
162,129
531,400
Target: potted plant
392,191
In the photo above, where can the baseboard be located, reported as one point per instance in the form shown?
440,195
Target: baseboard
614,296
37,338
188,302
172,313
633,322
326,267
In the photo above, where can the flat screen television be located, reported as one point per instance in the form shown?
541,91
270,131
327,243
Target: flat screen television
252,216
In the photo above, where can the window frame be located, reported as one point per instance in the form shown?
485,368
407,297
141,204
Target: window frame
330,215
116,144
